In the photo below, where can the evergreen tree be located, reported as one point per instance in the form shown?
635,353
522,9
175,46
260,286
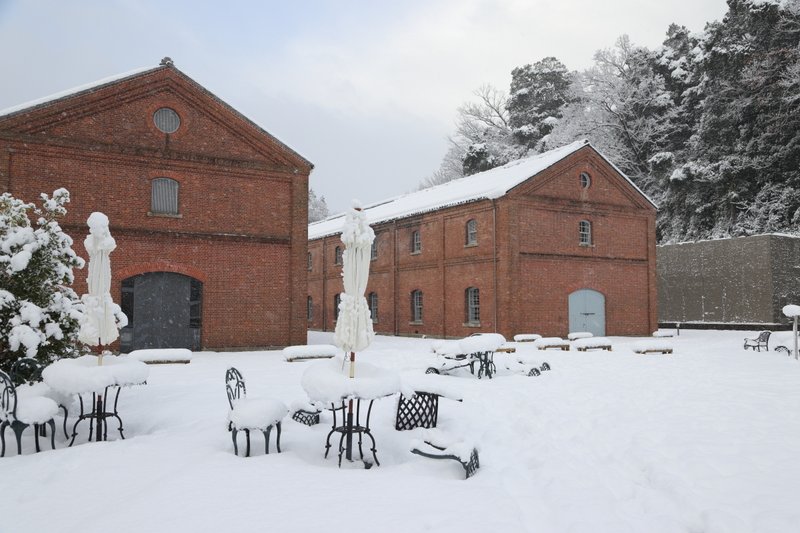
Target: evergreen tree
539,91
39,312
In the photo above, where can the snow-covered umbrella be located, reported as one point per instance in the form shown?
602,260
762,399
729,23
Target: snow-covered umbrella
354,325
102,318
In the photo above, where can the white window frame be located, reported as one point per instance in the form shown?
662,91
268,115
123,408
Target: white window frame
585,233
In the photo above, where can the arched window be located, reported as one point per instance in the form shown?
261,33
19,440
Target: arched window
585,232
472,305
416,306
337,255
586,180
337,298
164,196
310,261
372,300
310,309
416,242
471,232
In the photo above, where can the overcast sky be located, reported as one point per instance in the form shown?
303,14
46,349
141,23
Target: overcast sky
367,91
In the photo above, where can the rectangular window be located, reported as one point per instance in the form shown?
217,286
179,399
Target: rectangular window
373,306
416,242
473,305
416,306
310,261
310,309
164,196
373,252
585,232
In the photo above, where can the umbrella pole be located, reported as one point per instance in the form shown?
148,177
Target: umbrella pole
99,409
349,445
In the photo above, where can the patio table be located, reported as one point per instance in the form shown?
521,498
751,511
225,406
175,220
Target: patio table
83,376
329,382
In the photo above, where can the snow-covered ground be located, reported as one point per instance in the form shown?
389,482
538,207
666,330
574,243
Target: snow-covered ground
704,440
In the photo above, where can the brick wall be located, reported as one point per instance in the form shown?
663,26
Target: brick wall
526,262
241,227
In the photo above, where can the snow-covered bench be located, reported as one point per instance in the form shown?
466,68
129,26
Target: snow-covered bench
438,445
527,337
592,343
575,335
306,352
551,342
662,334
652,346
162,356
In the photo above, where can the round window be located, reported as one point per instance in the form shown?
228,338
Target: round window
586,180
167,120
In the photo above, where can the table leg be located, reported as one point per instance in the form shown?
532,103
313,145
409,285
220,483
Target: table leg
99,415
349,454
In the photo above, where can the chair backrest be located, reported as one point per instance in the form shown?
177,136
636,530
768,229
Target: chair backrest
234,385
8,398
764,336
26,370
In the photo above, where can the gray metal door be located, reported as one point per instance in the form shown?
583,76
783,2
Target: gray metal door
163,311
587,312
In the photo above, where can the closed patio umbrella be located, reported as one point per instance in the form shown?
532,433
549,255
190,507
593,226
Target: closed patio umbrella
102,318
354,325
99,325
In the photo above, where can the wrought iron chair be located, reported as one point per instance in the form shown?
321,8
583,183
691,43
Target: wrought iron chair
762,341
246,414
26,374
19,413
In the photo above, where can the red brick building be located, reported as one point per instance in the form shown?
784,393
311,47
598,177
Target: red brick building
558,242
209,211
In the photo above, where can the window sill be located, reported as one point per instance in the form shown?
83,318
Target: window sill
586,245
471,324
471,245
164,215
415,323
416,253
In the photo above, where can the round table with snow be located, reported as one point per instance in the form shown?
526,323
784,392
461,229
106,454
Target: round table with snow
82,376
329,382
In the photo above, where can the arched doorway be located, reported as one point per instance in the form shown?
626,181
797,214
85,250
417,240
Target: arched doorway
587,312
164,311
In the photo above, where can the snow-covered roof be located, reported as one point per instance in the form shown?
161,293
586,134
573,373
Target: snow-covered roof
490,184
74,91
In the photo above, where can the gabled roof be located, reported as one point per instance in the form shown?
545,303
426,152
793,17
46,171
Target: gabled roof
166,63
490,184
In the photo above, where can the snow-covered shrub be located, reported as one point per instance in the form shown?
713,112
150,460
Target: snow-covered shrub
39,312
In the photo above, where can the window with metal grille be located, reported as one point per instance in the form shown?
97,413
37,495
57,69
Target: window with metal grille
195,304
472,305
310,261
164,196
586,180
336,300
416,306
373,251
310,309
337,255
472,232
167,120
372,300
585,232
416,242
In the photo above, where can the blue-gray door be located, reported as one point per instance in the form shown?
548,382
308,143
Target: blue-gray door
587,312
163,309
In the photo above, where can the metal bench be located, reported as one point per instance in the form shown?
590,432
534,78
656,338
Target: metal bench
758,342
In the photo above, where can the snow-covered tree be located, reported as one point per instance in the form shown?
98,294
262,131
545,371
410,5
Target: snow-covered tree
317,207
39,312
539,92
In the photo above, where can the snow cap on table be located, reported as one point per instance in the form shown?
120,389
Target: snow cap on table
487,342
791,310
328,381
83,374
